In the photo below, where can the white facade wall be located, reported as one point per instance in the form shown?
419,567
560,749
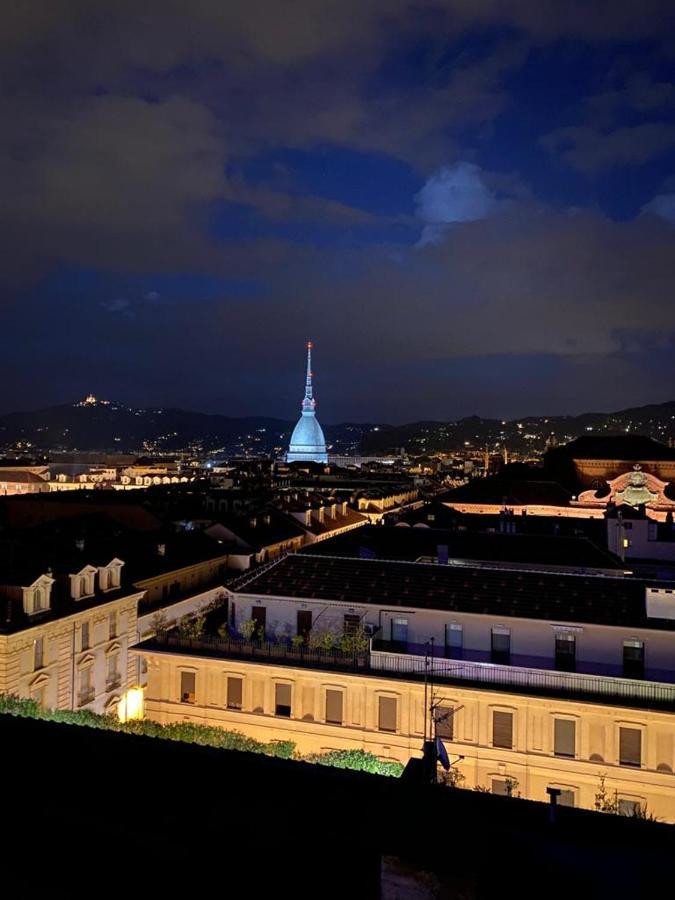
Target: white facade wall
595,644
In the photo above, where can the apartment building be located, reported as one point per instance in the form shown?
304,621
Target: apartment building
542,678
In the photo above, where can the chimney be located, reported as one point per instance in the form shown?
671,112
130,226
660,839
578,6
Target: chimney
161,549
253,522
79,545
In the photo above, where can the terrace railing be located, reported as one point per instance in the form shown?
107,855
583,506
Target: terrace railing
529,680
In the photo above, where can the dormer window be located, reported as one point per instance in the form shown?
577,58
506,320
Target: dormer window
109,577
82,584
37,596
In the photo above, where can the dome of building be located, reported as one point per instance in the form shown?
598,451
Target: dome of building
307,441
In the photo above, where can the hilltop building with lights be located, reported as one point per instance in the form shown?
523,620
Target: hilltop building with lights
307,441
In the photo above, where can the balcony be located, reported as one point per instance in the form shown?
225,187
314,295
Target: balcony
113,682
85,697
397,660
265,651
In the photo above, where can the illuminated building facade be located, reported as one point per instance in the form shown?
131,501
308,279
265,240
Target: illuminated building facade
547,679
307,441
65,638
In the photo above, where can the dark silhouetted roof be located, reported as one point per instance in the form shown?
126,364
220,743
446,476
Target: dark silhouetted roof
410,543
496,592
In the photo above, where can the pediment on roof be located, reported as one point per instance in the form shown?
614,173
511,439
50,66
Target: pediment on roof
42,581
114,563
87,570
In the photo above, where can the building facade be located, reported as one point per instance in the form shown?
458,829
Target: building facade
507,741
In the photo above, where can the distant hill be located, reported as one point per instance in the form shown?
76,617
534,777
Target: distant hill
530,433
95,425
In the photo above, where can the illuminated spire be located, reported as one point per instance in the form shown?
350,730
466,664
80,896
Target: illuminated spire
307,441
309,403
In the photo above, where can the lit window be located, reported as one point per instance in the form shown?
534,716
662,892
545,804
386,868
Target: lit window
187,687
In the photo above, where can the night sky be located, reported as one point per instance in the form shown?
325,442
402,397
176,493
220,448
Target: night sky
468,206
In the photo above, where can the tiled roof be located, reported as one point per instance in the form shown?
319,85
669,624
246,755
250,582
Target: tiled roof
503,593
410,543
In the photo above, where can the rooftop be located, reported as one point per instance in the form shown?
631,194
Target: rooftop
526,594
403,543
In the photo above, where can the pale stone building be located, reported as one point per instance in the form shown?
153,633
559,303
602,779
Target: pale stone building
548,679
65,637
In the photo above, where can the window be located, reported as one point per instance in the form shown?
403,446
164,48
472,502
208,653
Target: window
259,616
38,653
334,700
634,659
351,623
502,729
282,700
387,708
38,696
501,645
454,640
113,677
399,631
629,807
187,687
235,691
566,797
304,623
444,718
84,637
501,787
112,625
630,747
38,600
86,689
564,737
565,652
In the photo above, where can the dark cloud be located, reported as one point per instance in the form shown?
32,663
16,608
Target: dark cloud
128,133
589,149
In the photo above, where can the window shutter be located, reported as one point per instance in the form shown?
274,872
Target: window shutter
334,707
283,700
499,787
564,734
387,714
234,693
502,730
630,747
566,798
445,726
